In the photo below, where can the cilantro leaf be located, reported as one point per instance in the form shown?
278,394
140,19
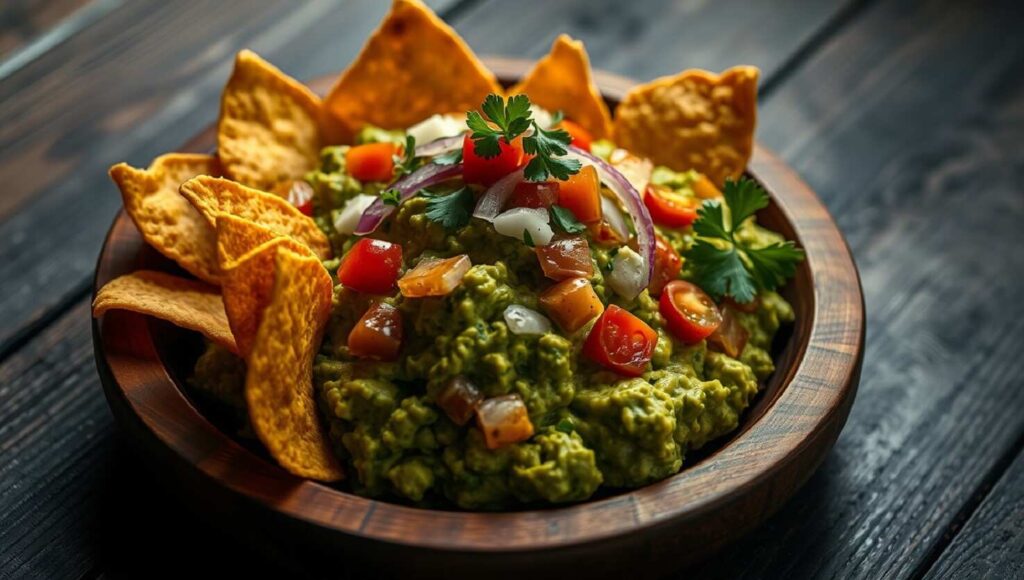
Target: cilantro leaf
545,145
721,271
566,220
485,139
511,120
565,425
391,197
743,198
407,162
453,210
773,264
528,239
710,221
450,158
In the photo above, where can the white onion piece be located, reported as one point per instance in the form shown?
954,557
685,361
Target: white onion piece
517,220
613,215
627,275
636,170
346,220
439,146
493,200
541,116
436,127
631,199
522,320
429,174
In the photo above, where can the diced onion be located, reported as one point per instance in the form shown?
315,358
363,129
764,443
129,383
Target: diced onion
636,170
345,221
504,420
522,320
494,199
516,221
613,215
434,128
434,277
627,275
541,116
429,174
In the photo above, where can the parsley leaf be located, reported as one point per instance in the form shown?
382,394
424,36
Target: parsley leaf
407,162
450,158
721,271
512,120
566,220
391,197
544,145
743,198
453,210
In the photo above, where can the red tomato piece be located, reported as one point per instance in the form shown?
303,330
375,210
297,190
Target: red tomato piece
298,192
534,194
730,337
580,137
621,342
459,400
372,162
571,303
691,315
667,265
581,194
566,258
378,334
371,266
670,209
434,277
487,170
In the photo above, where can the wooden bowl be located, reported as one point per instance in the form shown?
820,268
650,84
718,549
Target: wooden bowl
719,494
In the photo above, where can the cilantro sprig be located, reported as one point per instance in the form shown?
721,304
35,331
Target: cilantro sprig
723,265
451,210
565,220
407,162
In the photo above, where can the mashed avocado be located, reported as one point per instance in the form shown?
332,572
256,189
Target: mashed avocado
592,427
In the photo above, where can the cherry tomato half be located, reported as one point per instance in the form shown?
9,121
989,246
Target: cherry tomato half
670,209
621,342
371,266
378,334
580,137
487,170
667,265
691,315
372,162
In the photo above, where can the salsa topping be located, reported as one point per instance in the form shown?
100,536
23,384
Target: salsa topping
621,342
378,333
371,266
433,277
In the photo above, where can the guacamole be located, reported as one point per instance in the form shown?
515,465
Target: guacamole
590,425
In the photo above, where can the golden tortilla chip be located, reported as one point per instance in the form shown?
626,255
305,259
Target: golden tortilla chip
694,120
270,125
214,196
166,220
412,67
279,382
185,303
237,237
562,81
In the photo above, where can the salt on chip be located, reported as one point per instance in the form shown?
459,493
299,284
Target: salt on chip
185,303
562,81
279,383
166,220
694,120
413,66
270,127
214,196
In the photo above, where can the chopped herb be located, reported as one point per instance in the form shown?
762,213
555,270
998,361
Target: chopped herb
610,266
450,158
391,197
453,210
565,425
406,163
528,239
544,145
566,220
724,266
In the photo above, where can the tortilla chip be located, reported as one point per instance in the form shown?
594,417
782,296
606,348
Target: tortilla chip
279,384
561,81
412,67
185,303
270,125
166,220
214,196
237,237
694,120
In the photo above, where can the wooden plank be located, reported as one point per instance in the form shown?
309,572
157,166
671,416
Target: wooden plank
908,124
991,544
22,21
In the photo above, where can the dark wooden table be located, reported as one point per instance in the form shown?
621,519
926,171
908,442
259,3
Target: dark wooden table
907,117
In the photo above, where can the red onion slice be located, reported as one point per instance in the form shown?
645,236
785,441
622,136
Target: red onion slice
631,200
493,200
407,186
439,146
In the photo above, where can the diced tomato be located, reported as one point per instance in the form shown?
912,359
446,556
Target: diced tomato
534,194
667,265
670,209
566,258
487,170
298,192
459,400
580,137
371,266
372,162
690,314
571,303
434,277
621,342
504,420
705,189
730,337
581,194
378,334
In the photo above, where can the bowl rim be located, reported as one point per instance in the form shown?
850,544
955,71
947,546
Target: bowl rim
810,407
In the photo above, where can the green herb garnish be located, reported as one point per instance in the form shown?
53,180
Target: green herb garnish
406,163
545,146
391,197
724,266
451,210
565,220
528,239
450,158
565,425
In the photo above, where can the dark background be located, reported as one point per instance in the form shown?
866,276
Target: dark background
907,118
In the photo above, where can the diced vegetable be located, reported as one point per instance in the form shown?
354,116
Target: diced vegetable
621,342
581,194
636,170
604,235
628,273
580,137
730,337
614,218
372,162
527,224
459,400
571,303
437,127
503,421
371,266
486,171
434,277
705,189
667,265
566,258
535,194
378,334
523,320
690,314
494,199
346,220
669,208
299,193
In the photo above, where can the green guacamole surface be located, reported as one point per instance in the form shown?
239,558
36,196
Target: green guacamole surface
592,427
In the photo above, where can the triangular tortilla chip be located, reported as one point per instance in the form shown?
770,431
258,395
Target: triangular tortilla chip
237,237
166,220
185,303
279,382
213,196
562,81
694,120
270,125
413,66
